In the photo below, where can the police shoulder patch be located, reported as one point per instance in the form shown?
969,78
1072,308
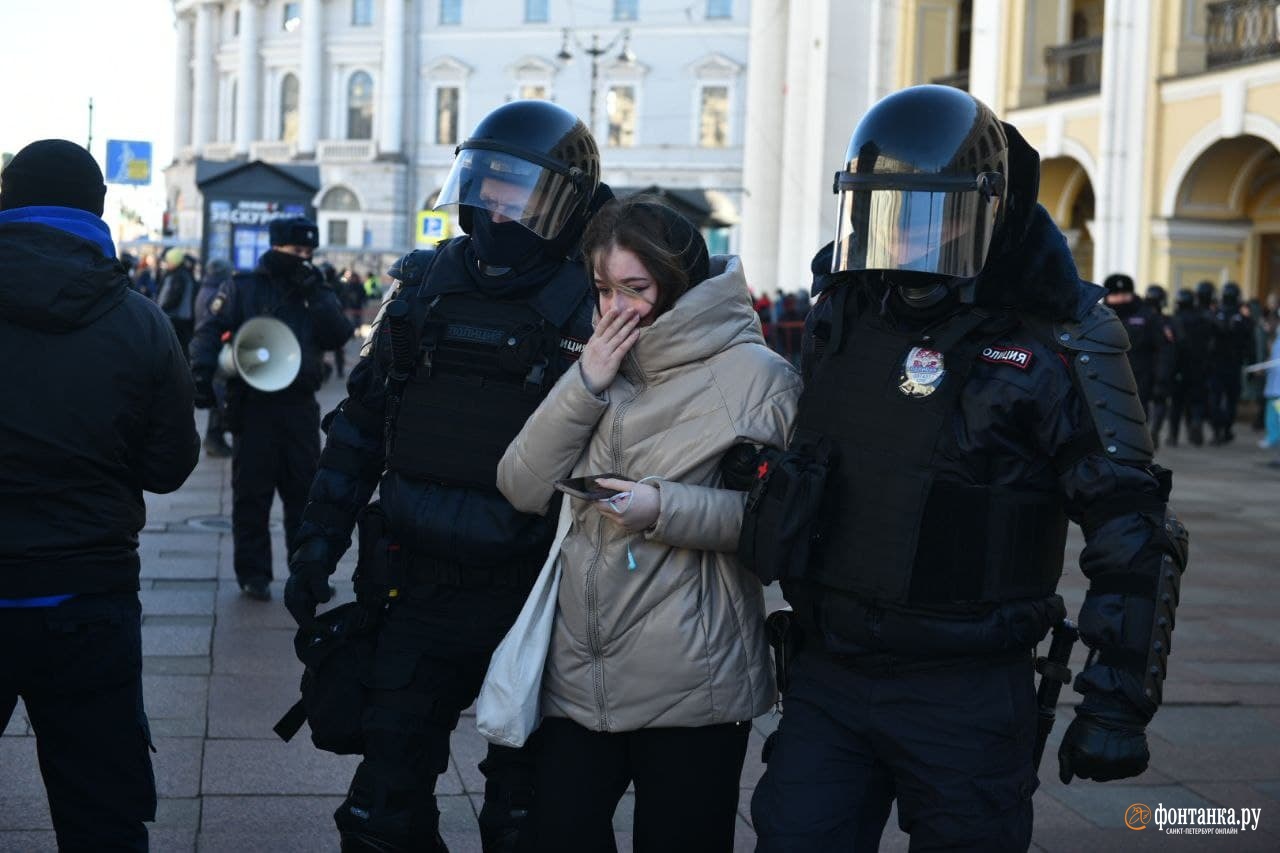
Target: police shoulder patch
1012,356
215,304
571,348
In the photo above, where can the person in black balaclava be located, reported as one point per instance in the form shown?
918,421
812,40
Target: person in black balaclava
1192,334
275,423
965,395
477,332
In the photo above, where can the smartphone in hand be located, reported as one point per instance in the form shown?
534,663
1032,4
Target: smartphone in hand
587,488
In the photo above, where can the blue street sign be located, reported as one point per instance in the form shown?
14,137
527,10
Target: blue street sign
128,162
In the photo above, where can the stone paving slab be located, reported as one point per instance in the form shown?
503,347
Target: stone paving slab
270,767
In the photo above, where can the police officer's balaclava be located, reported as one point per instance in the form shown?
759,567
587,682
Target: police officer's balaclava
53,172
293,231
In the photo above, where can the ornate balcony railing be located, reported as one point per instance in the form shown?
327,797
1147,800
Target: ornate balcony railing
959,79
1242,31
346,149
220,151
1074,69
272,151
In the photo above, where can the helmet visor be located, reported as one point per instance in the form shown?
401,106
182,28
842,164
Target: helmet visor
941,230
511,188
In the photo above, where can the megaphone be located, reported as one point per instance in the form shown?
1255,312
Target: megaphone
264,353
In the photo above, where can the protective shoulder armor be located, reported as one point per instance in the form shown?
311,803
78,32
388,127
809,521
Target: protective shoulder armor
1097,344
412,267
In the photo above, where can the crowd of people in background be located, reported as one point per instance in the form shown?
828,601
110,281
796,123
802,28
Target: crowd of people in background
176,280
1193,365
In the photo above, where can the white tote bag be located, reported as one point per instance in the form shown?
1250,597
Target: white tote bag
508,710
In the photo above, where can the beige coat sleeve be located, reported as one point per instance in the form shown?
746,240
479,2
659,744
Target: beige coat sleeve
550,443
710,519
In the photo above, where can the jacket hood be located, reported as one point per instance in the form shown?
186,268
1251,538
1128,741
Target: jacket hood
1040,277
705,320
53,279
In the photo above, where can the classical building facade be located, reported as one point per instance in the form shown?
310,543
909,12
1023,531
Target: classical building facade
373,96
1158,123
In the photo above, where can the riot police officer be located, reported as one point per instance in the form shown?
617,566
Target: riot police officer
1192,335
1232,347
966,396
1156,299
276,435
488,321
1145,331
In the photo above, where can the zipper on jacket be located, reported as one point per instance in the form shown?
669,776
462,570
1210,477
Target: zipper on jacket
594,646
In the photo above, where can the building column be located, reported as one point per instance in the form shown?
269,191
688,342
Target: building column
249,86
762,173
1123,119
391,86
204,93
987,53
311,84
182,87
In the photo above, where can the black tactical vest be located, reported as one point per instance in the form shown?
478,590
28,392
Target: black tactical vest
892,532
482,368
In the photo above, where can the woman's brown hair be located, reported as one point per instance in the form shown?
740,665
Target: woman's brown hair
669,246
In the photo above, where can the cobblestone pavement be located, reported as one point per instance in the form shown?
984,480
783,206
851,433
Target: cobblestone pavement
219,671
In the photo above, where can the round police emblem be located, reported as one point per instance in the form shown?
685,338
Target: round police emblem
922,372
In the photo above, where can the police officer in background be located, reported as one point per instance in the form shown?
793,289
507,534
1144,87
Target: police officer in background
1156,299
276,435
1232,347
490,320
1144,330
952,365
1192,334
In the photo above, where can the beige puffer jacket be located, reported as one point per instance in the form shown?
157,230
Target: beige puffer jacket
679,640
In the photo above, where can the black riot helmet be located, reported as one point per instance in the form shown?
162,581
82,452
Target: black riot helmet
1231,296
1206,294
1185,299
929,188
531,162
1156,297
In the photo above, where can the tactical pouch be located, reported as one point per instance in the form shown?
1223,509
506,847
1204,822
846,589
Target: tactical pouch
783,516
377,577
336,651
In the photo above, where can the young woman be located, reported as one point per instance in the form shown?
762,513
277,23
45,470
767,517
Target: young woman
658,659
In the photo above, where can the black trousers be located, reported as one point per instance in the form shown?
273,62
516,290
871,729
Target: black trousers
1224,398
953,746
432,653
78,669
686,783
276,450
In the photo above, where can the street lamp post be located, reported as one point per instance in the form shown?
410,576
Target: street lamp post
595,51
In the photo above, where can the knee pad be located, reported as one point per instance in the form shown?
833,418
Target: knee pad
385,805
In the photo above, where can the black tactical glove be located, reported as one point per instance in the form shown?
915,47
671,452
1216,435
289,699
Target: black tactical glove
204,397
308,584
1104,742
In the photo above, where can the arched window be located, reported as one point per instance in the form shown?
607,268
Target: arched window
339,198
289,109
360,106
